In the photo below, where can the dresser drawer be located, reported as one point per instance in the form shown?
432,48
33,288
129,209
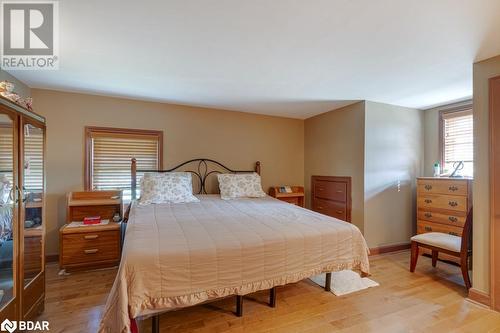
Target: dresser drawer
457,220
449,202
331,208
330,190
90,247
453,187
426,226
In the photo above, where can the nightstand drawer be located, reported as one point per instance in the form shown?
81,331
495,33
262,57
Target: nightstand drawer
91,247
91,238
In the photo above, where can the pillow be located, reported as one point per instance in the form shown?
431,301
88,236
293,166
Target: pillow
240,185
173,187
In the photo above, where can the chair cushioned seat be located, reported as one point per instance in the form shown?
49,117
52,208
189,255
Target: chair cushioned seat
439,239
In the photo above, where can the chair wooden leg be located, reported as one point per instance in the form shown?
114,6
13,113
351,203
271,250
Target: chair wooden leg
414,256
434,258
155,324
328,282
464,265
272,297
239,305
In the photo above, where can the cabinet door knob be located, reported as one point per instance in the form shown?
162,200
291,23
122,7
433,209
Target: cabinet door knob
453,219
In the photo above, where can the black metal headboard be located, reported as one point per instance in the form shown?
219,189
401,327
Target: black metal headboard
204,167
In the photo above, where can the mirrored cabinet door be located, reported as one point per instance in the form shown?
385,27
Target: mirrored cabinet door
8,215
32,196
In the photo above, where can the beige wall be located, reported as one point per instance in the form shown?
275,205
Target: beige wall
431,141
237,139
481,200
334,146
393,159
20,88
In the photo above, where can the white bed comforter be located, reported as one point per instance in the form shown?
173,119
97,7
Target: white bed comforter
177,255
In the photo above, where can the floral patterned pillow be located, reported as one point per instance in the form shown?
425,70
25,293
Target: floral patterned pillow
240,185
173,187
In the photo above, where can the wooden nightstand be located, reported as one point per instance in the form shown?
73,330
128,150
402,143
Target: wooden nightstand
91,246
296,197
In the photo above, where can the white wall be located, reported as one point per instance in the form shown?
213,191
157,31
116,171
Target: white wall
393,159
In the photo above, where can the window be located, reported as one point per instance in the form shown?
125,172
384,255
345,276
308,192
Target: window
456,128
109,152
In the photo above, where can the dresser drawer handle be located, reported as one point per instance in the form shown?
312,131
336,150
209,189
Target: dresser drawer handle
453,188
92,251
340,212
428,215
319,207
452,233
428,201
320,189
453,219
90,236
427,228
453,203
340,191
428,187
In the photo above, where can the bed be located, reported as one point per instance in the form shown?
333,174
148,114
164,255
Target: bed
179,255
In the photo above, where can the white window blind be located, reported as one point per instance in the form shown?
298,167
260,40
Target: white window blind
6,152
458,141
111,155
33,159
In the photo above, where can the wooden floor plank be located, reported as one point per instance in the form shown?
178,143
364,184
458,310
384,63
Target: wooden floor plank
429,300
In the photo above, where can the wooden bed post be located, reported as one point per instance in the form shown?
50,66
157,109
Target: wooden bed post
328,282
134,178
257,167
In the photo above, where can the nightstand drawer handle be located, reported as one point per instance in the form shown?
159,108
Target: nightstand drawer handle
453,203
453,188
428,201
428,215
453,219
92,251
428,187
427,228
91,236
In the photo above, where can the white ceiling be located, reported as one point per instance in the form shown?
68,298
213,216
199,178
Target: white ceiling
293,58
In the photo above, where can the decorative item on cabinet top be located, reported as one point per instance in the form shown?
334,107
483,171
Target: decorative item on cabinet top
331,195
290,194
442,206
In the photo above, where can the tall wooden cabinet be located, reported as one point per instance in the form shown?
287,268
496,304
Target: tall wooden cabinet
22,212
442,206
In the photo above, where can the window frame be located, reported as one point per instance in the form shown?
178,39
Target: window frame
450,112
90,130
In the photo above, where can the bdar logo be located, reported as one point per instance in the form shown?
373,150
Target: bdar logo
8,326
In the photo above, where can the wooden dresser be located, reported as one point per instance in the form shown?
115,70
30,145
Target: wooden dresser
332,196
442,206
91,246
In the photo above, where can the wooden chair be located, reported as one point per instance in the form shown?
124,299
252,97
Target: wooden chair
452,245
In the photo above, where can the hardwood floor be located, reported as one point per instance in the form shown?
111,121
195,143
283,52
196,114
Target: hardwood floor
429,300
